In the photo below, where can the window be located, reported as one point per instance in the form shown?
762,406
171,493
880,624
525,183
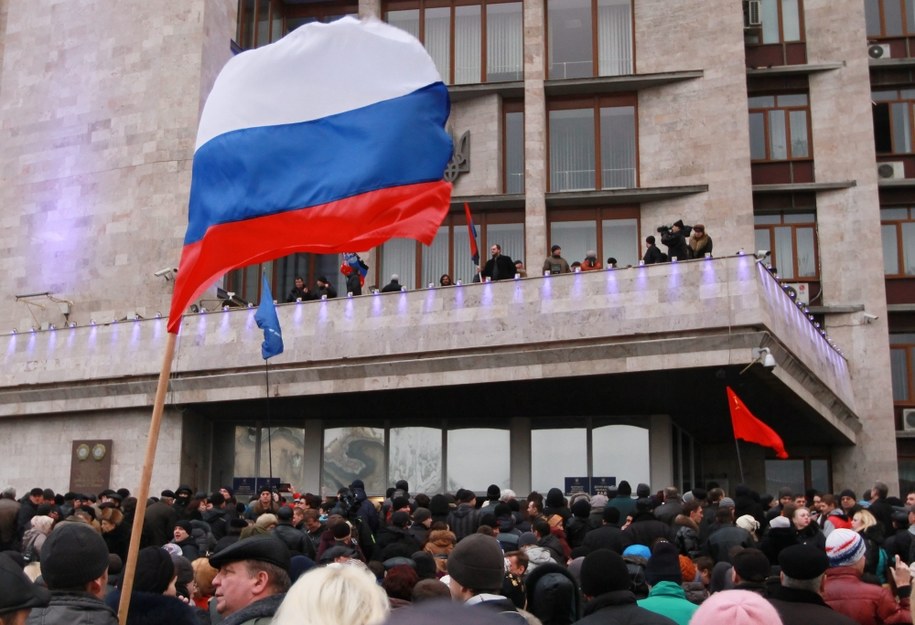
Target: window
262,452
621,451
575,131
572,28
781,21
450,250
557,454
513,173
478,457
353,453
889,18
893,112
469,42
264,21
416,456
901,346
246,282
610,232
791,237
779,127
798,474
897,227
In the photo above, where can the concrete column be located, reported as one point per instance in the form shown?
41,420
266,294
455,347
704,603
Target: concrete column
660,441
370,7
520,472
313,453
842,129
535,166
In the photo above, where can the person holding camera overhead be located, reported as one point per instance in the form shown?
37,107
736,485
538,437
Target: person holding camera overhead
674,238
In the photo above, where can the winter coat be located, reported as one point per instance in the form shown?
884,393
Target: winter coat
725,538
158,524
73,608
296,540
645,530
258,613
669,599
676,244
604,537
802,607
548,591
576,529
867,604
464,520
439,546
776,539
149,608
393,541
653,255
687,538
619,608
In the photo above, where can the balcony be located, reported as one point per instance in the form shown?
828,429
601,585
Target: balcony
638,333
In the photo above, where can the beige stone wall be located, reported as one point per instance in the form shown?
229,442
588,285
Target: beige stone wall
848,227
535,167
696,132
483,118
98,132
36,451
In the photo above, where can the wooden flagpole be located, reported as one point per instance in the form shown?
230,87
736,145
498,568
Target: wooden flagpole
143,493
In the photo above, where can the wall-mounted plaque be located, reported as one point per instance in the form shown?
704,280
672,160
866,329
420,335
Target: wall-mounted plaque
90,466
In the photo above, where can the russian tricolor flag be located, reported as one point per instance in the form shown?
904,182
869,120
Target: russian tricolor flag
331,139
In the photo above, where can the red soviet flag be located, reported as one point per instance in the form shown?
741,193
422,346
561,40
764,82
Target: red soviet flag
750,429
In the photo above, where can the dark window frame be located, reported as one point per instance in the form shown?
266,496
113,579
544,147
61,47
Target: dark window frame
787,110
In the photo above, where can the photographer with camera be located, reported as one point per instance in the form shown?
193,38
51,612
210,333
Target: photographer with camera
674,237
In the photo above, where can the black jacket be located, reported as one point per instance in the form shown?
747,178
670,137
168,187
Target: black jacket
499,268
619,608
604,537
800,607
296,540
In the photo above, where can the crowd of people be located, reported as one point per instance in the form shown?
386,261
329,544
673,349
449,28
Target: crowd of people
683,243
705,556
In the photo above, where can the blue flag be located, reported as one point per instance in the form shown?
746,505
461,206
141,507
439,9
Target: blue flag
268,322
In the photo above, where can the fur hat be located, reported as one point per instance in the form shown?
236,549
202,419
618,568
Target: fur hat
73,555
844,547
477,563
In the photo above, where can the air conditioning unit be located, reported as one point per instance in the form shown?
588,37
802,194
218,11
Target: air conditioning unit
878,50
751,14
908,420
798,291
890,170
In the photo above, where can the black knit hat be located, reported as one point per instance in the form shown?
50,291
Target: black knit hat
73,555
555,498
752,565
155,570
477,563
18,592
602,571
664,565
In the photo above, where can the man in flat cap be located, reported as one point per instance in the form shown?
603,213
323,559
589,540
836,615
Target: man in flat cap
159,522
252,580
74,565
19,594
799,599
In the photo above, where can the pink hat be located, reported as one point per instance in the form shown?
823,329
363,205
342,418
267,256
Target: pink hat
736,607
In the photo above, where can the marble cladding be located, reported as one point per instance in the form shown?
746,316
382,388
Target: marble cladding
98,133
36,452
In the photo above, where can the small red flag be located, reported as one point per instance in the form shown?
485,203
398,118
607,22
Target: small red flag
749,428
472,233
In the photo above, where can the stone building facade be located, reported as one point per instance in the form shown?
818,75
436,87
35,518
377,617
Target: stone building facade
763,130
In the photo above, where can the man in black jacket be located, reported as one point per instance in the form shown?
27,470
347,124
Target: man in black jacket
605,584
799,599
499,267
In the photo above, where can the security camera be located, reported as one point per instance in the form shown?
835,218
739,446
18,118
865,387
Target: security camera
761,254
869,318
166,272
763,355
